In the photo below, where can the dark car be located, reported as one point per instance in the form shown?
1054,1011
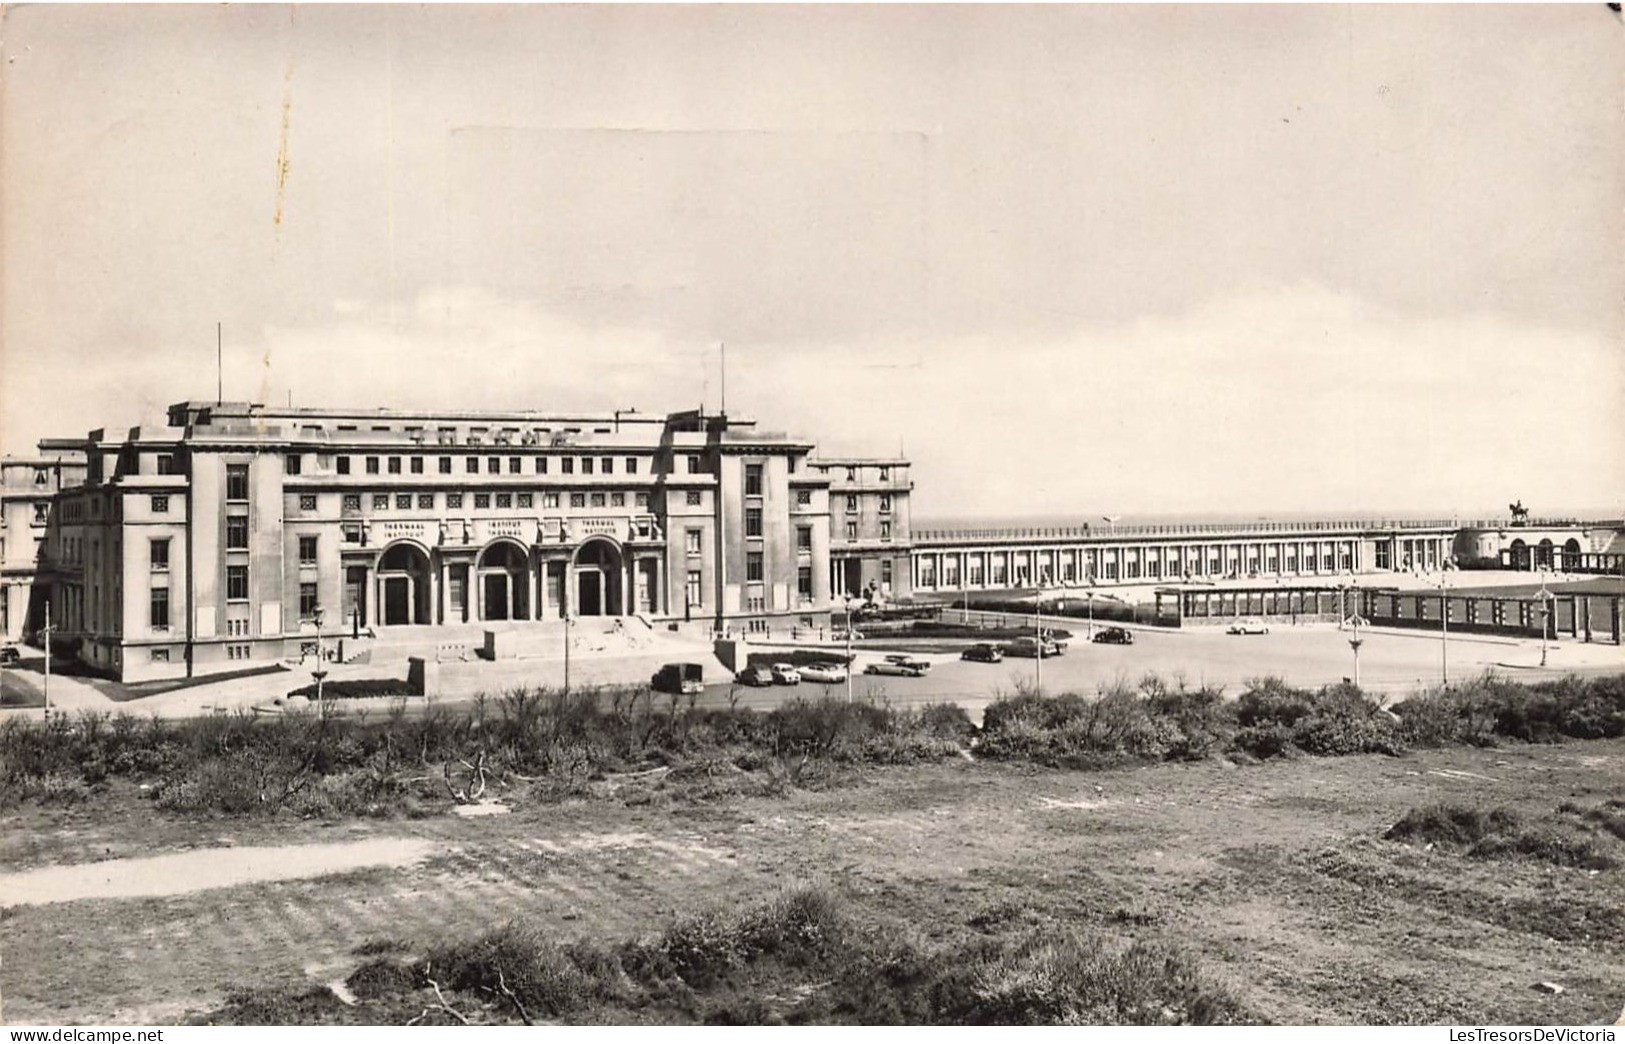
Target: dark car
758,676
1033,648
683,679
9,655
983,653
1114,636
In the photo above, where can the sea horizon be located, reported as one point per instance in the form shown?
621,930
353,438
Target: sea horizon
1097,520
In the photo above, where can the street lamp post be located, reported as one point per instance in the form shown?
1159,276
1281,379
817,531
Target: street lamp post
847,602
46,631
567,650
320,672
1545,615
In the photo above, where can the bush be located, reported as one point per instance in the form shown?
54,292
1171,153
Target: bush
1500,832
517,959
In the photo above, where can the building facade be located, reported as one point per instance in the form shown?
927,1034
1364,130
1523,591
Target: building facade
871,547
218,540
31,564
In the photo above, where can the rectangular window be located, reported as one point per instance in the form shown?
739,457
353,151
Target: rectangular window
307,502
426,501
307,550
691,540
586,465
293,463
885,474
160,504
417,465
753,521
454,500
504,500
445,465
166,465
236,481
851,504
541,465
160,555
567,465
380,501
160,655
342,464
691,590
307,601
482,500
352,532
493,465
578,500
237,533
394,465
237,583
372,465
885,503
515,464
885,572
527,500
803,498
693,465
804,582
607,465
753,480
617,500
352,501
158,607
472,464
631,465
851,474
597,500
641,499
550,500
693,499
804,538
753,567
851,530
885,529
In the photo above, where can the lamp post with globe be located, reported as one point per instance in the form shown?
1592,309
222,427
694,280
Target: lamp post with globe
321,668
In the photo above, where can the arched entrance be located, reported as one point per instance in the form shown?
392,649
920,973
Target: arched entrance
598,571
504,579
1543,554
403,586
1571,555
1519,553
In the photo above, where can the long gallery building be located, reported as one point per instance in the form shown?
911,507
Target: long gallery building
210,543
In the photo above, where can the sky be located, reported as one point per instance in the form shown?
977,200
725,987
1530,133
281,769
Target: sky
1069,260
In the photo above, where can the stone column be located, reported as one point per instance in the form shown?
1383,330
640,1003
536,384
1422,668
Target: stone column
434,595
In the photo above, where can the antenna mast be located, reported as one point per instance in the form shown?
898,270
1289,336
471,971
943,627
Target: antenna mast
219,381
724,346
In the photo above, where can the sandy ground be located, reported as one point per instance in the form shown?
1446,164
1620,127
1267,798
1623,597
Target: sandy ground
180,873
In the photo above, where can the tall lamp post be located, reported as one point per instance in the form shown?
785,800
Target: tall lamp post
1444,617
847,602
321,669
1545,615
567,650
46,631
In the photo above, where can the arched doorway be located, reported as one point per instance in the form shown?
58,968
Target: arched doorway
1543,554
403,586
1519,553
1571,555
504,579
598,570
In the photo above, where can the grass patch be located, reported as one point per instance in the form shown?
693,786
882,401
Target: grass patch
800,957
1497,833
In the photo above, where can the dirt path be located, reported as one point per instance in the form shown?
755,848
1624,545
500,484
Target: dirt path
181,873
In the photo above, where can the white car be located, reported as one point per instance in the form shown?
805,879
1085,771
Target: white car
1248,625
786,674
823,672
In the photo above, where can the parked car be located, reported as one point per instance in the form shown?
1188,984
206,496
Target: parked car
904,669
785,674
1114,636
983,653
755,676
824,672
10,654
1032,648
843,635
909,661
684,679
1248,625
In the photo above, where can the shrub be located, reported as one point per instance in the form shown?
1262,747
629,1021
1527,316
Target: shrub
514,958
1499,832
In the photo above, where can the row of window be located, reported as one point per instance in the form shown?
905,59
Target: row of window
502,501
852,503
492,465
